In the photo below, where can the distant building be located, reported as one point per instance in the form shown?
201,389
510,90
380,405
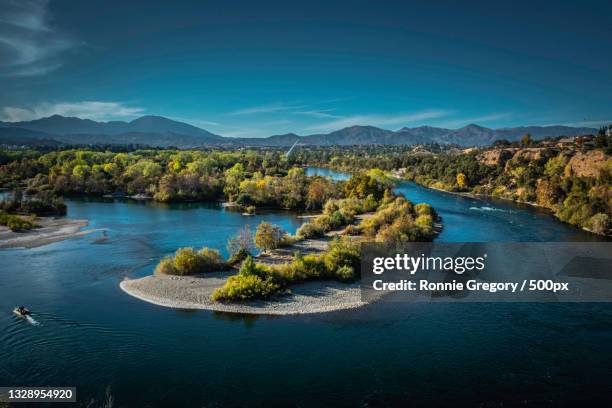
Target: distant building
565,141
585,140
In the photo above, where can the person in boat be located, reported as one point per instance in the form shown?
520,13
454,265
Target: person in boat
22,311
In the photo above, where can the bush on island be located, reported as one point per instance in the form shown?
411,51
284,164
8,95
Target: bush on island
254,281
241,287
187,261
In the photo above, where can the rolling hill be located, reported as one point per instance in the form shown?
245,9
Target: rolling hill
162,132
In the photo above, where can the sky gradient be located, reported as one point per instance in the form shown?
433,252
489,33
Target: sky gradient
244,68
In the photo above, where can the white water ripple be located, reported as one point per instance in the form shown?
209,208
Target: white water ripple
491,209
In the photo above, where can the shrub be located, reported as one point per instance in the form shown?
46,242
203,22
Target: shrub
312,267
249,267
370,203
238,257
423,209
345,274
245,287
425,224
165,267
210,260
300,269
15,222
187,261
600,223
310,230
342,252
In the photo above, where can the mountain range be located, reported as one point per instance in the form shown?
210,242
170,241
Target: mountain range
158,131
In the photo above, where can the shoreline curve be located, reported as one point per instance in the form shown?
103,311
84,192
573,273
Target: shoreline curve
194,292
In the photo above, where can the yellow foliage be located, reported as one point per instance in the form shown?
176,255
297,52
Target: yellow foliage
461,180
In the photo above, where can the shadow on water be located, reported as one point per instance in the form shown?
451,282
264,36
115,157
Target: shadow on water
246,318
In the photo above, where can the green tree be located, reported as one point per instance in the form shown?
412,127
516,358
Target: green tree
268,236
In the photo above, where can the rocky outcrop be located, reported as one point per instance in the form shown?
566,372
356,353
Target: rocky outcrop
587,164
534,153
496,157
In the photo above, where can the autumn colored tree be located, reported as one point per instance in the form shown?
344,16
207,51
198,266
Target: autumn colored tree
268,236
526,140
461,180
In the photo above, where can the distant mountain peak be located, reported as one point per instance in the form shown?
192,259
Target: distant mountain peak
475,126
153,118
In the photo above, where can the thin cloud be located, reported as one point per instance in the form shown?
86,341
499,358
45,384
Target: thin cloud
94,110
298,108
271,108
589,123
318,113
380,120
29,45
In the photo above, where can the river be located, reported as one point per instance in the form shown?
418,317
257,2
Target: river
91,335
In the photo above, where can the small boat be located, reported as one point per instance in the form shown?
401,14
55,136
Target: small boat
21,311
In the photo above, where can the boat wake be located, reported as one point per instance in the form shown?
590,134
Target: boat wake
31,320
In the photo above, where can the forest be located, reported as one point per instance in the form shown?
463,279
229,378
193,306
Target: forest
248,178
572,180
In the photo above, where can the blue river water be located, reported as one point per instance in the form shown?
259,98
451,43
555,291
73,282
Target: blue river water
93,336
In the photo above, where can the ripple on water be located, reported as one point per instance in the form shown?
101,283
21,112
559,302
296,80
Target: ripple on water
490,209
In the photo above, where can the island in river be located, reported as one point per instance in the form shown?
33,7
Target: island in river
195,292
47,231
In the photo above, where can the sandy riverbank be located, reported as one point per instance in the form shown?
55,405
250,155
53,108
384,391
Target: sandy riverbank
49,230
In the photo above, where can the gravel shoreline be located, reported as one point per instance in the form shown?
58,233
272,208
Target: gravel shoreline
194,292
48,231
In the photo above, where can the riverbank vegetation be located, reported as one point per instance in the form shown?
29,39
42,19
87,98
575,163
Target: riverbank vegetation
42,204
575,187
17,223
248,178
570,177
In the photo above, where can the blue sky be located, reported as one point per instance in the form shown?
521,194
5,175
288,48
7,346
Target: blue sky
245,68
